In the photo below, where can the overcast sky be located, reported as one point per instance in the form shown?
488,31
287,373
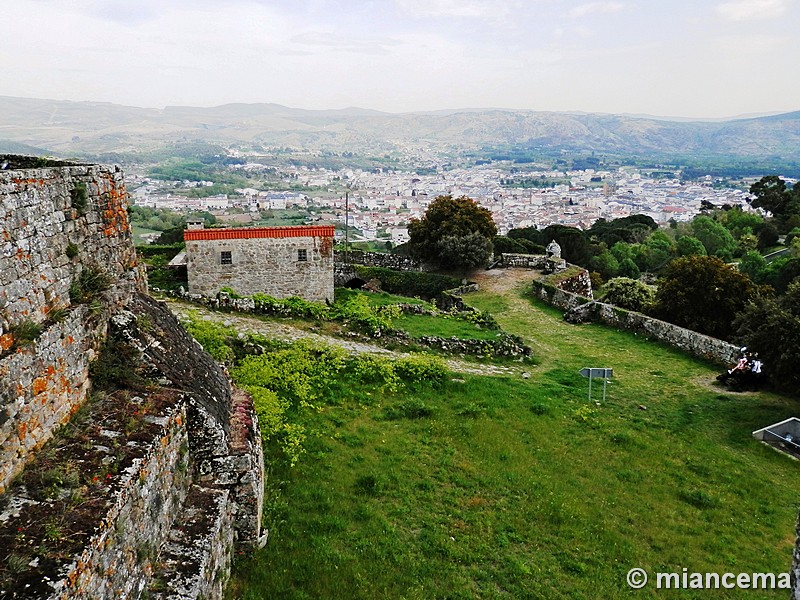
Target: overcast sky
686,58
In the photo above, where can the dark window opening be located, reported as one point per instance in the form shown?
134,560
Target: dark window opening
226,257
302,255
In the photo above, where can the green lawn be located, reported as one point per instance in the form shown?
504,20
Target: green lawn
377,298
520,488
420,325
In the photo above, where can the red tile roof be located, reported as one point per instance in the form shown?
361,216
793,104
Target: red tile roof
245,233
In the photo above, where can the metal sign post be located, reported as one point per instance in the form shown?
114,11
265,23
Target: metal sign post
595,372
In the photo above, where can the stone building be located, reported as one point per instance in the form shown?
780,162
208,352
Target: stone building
278,261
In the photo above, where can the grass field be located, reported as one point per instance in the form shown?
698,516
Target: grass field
420,325
522,488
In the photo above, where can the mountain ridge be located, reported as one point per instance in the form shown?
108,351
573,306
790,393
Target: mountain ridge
90,127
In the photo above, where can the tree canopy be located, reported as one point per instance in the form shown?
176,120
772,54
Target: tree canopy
703,294
453,233
771,327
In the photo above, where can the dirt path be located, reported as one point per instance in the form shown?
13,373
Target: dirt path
286,332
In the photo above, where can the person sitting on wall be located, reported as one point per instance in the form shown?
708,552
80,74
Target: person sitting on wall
737,370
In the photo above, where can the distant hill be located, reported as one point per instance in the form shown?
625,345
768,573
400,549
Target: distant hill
66,127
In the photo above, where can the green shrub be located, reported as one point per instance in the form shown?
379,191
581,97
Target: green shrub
79,197
409,283
373,370
91,282
420,370
215,339
628,293
72,250
26,332
374,320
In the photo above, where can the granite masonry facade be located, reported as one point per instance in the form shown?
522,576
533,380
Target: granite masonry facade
181,486
277,261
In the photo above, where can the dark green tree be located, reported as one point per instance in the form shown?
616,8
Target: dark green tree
575,246
771,327
606,264
703,294
628,268
717,240
451,218
688,245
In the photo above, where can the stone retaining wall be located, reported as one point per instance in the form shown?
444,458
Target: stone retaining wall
579,308
397,262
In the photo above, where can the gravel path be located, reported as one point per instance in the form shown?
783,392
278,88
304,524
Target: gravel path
284,331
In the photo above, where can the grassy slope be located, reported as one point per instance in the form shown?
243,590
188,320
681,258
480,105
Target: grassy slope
522,489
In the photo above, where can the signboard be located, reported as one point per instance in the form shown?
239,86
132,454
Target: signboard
589,372
592,372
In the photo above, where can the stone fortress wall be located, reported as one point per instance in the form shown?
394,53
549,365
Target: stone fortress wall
187,486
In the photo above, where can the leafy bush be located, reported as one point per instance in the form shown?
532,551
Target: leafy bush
294,306
215,339
421,370
374,370
358,312
72,250
409,283
628,293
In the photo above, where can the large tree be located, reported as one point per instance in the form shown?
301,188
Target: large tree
454,233
702,293
771,327
772,194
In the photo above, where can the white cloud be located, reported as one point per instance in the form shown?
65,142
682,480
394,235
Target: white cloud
458,8
747,10
595,7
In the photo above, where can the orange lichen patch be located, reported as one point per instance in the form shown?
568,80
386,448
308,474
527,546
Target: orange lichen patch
39,385
115,213
51,370
69,340
22,431
6,341
29,181
326,247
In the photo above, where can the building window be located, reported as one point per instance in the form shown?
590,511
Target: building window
302,255
225,257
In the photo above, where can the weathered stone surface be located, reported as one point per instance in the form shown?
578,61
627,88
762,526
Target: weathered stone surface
56,222
277,266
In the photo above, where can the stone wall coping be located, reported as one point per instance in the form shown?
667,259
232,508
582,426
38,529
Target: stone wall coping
245,233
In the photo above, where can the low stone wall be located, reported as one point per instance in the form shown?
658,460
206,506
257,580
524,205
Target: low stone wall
579,309
540,262
397,262
510,346
196,559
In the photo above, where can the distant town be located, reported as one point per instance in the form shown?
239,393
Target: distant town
377,205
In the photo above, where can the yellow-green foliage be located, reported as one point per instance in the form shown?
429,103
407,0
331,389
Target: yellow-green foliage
215,339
